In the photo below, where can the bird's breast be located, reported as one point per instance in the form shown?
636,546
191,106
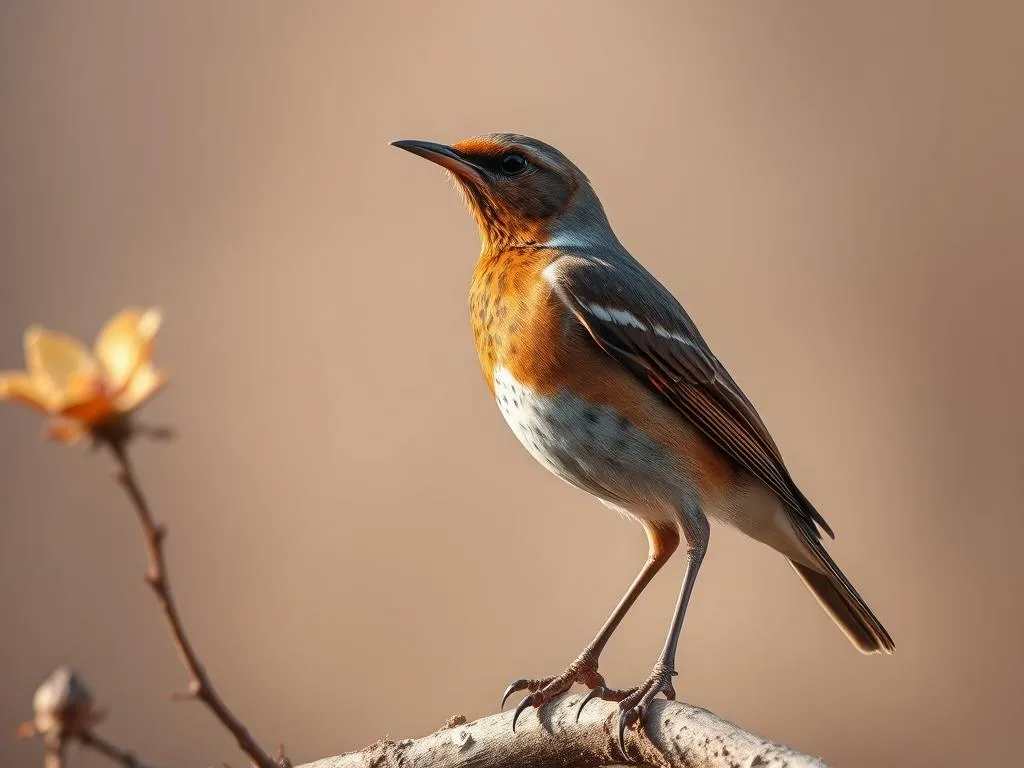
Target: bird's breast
518,324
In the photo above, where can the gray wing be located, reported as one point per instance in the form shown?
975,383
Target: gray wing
633,318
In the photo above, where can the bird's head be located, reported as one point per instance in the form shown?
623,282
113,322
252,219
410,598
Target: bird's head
521,191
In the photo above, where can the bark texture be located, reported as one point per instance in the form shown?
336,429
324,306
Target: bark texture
675,735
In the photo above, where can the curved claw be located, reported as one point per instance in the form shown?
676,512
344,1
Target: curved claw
517,685
625,719
594,693
523,705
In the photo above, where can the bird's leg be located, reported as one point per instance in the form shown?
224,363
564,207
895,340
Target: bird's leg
633,704
662,542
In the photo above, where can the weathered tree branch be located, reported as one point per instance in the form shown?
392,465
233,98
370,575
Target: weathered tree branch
676,735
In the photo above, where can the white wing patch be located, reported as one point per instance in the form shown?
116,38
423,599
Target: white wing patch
665,333
622,317
617,316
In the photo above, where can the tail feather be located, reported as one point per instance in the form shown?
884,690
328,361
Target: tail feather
847,608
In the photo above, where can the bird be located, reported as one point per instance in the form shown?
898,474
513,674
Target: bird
606,381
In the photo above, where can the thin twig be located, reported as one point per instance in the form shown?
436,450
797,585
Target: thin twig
200,687
55,743
121,756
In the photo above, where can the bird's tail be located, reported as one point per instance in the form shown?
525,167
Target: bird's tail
847,608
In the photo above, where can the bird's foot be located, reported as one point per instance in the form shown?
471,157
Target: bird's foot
583,671
634,702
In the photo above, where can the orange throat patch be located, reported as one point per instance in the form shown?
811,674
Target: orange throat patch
517,322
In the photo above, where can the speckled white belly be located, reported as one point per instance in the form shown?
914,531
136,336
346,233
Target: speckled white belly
594,448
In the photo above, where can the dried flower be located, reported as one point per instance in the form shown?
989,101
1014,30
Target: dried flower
85,390
62,705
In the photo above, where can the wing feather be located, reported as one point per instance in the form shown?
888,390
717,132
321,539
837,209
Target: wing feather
634,319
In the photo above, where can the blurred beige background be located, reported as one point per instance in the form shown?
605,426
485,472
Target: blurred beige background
359,544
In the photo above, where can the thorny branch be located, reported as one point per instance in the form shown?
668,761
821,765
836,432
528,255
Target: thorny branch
200,686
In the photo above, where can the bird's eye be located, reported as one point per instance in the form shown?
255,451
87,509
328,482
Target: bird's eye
512,163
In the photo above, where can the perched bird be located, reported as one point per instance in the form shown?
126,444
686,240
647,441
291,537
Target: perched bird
606,381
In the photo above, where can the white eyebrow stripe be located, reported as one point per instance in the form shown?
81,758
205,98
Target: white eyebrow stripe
617,316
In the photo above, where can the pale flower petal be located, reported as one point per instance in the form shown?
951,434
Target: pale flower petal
144,383
55,360
125,343
20,387
150,322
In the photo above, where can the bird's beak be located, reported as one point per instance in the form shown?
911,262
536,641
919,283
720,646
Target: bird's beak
444,156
